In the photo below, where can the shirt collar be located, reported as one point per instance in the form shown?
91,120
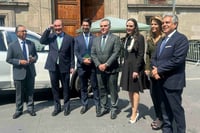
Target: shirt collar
171,34
20,40
61,34
86,34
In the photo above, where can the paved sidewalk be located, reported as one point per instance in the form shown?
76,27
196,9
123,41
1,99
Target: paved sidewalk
88,123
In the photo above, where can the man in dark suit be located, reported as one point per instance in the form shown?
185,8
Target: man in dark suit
85,66
22,55
60,63
169,70
105,53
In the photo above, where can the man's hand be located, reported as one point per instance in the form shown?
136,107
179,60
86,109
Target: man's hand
23,62
156,76
31,59
155,73
51,26
102,67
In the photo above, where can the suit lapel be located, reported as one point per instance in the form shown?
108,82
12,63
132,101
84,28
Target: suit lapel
99,43
18,48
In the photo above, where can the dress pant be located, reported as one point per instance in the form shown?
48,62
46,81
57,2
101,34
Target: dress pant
84,78
172,110
55,77
107,83
24,92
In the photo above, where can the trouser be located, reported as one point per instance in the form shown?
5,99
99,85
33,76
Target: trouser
107,84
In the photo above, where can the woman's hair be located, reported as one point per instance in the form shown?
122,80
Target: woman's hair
158,20
135,33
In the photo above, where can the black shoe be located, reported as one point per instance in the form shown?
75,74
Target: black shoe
16,115
98,111
66,112
113,115
55,112
32,113
83,109
103,112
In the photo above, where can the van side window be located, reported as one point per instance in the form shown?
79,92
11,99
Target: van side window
2,44
11,37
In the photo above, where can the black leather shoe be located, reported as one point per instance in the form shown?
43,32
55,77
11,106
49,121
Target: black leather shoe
55,112
32,113
103,112
98,111
83,109
66,112
113,115
16,115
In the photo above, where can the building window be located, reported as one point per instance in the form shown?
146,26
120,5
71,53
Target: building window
155,2
158,2
2,21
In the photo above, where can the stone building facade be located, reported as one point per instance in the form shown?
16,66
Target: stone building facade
34,14
38,14
187,11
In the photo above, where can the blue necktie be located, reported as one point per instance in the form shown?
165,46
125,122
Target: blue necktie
24,50
86,40
163,45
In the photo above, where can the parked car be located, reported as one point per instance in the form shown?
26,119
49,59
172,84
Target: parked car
42,80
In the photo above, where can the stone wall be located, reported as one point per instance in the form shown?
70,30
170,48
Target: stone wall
34,14
187,11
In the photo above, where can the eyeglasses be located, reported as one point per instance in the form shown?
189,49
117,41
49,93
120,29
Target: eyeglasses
22,31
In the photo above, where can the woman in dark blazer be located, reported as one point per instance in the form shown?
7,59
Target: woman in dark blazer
133,65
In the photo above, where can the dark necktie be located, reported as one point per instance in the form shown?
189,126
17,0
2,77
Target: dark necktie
103,42
24,50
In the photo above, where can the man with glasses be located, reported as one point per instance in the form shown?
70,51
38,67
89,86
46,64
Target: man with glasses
22,55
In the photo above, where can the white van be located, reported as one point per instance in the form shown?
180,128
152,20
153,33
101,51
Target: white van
42,80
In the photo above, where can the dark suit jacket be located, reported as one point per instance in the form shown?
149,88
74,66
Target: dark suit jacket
171,62
81,49
109,55
65,53
15,54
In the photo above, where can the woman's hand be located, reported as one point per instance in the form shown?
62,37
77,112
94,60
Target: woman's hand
135,75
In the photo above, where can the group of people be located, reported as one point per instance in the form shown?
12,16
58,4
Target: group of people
97,62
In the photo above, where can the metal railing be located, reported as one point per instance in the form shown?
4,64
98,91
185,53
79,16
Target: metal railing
194,51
